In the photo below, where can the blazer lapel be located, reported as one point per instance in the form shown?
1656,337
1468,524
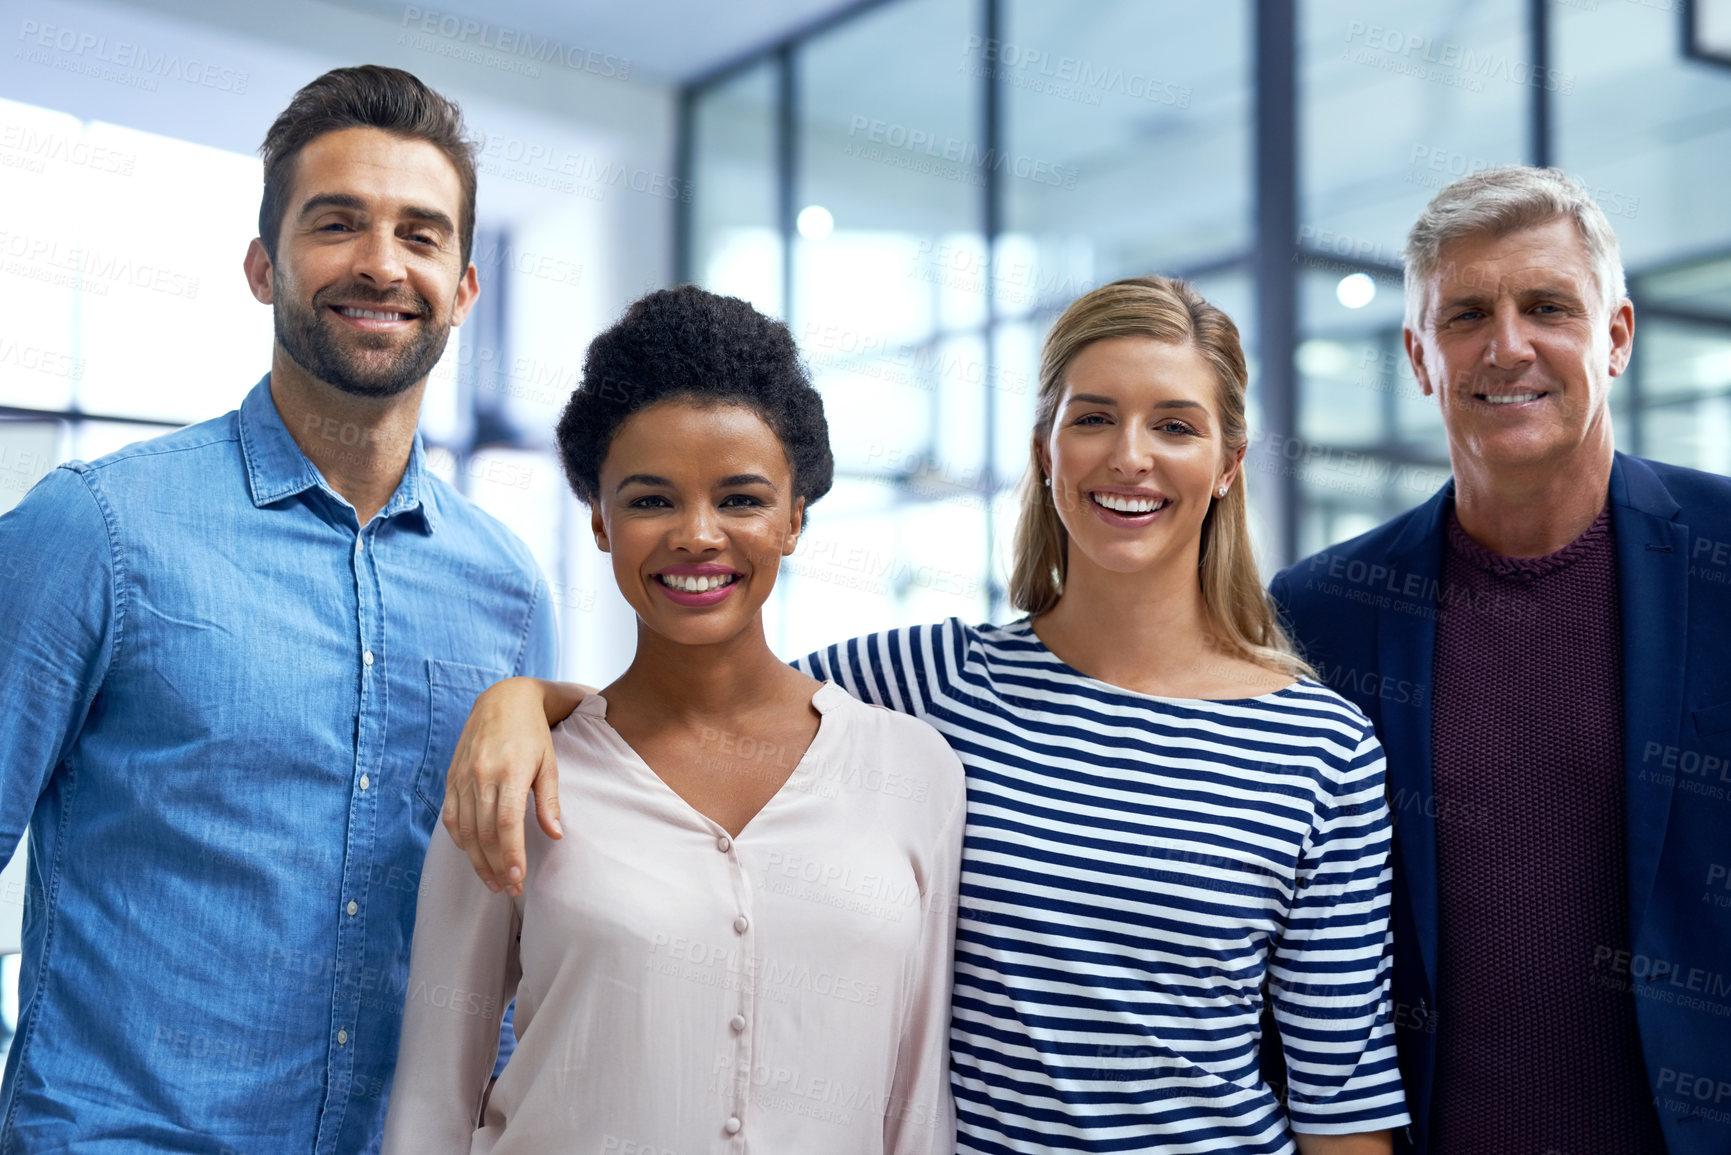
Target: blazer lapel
1406,649
1653,589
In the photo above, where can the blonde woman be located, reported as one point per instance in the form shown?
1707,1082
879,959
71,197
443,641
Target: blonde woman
1169,821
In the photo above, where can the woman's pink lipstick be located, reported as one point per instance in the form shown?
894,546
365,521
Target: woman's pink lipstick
697,598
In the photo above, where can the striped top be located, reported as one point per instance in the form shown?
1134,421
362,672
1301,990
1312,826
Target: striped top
1135,869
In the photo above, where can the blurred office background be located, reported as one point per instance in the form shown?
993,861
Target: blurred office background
917,186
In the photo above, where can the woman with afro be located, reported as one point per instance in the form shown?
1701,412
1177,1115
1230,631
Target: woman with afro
745,943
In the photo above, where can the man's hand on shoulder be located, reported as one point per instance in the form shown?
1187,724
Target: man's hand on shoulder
504,755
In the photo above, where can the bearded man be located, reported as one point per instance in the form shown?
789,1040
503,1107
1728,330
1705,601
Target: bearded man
236,659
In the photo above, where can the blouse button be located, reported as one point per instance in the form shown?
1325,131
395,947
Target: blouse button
724,844
737,1023
732,1125
740,924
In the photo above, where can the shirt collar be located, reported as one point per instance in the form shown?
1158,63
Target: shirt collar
276,468
416,493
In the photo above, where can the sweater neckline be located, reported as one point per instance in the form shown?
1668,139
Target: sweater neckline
1463,546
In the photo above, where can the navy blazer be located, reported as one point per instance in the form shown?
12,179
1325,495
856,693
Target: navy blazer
1365,614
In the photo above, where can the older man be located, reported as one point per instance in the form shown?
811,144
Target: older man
235,660
1545,649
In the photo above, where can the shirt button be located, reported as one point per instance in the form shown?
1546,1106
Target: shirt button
724,844
342,1038
357,545
367,657
737,1022
732,1125
365,782
740,924
353,908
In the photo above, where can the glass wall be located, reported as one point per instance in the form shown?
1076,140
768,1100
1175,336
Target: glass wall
889,303
1390,113
949,176
1651,135
979,163
84,286
734,163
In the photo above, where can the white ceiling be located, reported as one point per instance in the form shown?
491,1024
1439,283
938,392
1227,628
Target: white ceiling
665,40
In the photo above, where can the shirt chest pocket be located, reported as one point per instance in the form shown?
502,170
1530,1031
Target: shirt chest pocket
452,688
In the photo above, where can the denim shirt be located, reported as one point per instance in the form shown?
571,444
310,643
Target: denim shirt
226,713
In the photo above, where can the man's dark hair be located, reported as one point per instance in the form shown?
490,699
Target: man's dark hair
688,344
369,96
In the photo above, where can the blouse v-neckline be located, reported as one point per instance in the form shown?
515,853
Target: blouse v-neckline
595,706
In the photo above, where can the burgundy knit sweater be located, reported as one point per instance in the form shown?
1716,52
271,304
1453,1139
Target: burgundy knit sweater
1527,745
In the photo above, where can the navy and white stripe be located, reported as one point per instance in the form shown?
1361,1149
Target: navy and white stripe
1134,868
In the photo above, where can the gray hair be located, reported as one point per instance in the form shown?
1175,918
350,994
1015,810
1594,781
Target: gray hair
1500,201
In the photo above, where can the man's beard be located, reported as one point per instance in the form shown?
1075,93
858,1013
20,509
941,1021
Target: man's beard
311,339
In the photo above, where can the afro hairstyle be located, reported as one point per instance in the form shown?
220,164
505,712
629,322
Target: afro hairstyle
688,344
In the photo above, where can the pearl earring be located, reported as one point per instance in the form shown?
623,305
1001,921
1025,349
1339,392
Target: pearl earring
1222,491
1047,482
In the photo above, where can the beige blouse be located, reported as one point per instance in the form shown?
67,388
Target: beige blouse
680,992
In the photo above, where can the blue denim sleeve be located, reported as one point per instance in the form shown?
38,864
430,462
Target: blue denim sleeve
59,622
540,660
541,647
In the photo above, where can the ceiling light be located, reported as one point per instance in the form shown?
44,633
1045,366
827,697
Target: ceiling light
815,223
1355,291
